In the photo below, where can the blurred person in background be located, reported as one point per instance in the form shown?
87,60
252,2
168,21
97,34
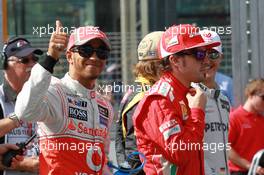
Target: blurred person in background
147,72
246,129
18,59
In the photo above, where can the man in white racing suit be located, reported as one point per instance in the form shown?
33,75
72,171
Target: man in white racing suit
73,119
216,113
216,144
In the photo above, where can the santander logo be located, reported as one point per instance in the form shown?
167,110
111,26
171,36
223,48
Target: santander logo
81,128
207,35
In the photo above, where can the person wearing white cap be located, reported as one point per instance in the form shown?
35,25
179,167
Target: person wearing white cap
216,113
74,120
224,82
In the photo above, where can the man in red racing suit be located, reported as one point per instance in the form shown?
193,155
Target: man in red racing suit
169,131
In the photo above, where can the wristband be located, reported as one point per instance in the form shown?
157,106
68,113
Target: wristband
14,118
49,63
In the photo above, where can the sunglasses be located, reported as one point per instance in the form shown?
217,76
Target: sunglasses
87,51
200,55
214,55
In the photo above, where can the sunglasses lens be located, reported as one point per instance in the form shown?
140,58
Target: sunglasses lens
200,55
85,51
102,53
214,55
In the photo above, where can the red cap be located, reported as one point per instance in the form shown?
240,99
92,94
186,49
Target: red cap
182,37
82,35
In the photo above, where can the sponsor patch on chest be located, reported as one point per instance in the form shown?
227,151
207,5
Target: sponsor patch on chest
225,105
164,88
103,111
103,115
77,113
77,102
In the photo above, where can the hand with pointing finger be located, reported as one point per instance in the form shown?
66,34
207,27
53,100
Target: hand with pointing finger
58,42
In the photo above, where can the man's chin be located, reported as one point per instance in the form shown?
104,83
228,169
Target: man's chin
92,74
200,79
92,77
209,75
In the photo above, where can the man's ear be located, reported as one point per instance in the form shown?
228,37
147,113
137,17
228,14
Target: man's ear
69,56
174,60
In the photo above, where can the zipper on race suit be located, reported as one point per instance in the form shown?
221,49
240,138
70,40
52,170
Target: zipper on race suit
223,133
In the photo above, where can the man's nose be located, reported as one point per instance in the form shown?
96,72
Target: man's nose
206,59
94,56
